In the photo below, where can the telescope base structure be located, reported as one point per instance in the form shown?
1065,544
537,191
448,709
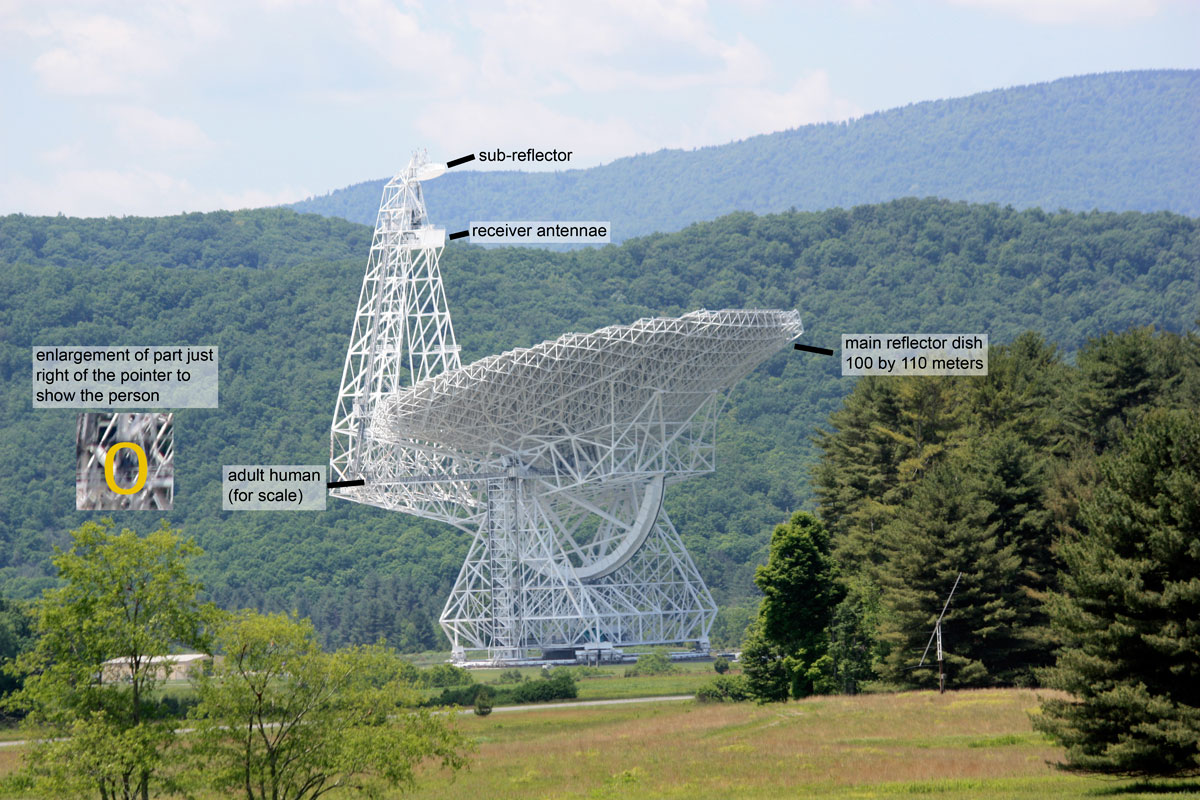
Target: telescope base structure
524,588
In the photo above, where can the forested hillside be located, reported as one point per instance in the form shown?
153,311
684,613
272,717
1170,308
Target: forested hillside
1116,142
266,239
281,321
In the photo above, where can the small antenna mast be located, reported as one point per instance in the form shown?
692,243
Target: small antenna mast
937,634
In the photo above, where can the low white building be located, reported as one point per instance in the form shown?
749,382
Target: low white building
176,667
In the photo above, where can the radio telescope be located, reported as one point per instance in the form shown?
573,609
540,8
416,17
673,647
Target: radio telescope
554,458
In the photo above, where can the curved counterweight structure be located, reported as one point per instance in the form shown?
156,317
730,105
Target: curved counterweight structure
554,457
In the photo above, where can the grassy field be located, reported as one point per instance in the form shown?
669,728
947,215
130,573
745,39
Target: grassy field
962,745
969,745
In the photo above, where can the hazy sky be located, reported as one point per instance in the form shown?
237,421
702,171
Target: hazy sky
120,107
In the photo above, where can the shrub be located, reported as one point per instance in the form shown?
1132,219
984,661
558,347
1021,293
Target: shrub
651,664
559,686
585,672
483,701
510,676
178,707
441,675
457,696
731,688
721,665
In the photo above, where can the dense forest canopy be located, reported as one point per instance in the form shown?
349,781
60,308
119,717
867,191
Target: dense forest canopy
1115,141
281,320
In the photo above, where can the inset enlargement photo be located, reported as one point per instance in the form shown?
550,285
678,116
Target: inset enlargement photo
124,461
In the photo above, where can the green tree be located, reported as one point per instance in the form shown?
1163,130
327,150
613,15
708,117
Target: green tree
123,597
765,666
941,529
280,719
799,592
854,645
1012,483
1129,610
724,687
1122,375
652,664
483,701
856,480
1024,392
888,433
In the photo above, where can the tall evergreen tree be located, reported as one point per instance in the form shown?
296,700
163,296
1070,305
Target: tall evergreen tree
943,528
1024,394
888,433
1012,483
1124,374
856,477
1129,610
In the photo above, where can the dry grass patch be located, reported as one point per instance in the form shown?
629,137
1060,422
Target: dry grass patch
971,744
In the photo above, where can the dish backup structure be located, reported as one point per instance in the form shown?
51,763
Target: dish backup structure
554,458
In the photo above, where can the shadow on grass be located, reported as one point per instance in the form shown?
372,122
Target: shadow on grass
1149,787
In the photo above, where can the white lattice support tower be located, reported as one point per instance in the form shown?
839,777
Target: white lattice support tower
555,458
402,330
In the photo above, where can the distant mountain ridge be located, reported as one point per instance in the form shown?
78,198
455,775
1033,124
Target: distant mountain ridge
1125,141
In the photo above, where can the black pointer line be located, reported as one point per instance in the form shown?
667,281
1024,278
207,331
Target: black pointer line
458,235
455,162
825,351
343,484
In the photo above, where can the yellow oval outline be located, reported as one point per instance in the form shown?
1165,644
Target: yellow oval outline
110,464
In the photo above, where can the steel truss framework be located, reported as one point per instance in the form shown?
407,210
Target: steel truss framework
555,458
